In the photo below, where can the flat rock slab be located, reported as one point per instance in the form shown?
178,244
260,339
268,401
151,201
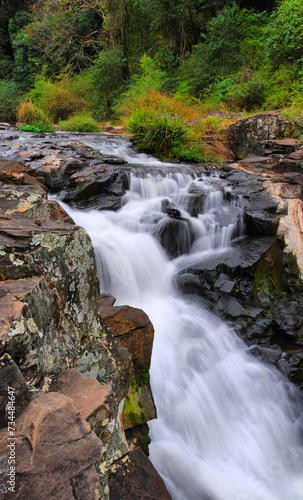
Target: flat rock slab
135,478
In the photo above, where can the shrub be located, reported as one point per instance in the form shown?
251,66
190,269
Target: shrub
80,122
62,97
38,128
221,53
244,90
30,114
10,98
156,132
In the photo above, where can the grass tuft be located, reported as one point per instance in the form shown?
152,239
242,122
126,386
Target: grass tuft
80,122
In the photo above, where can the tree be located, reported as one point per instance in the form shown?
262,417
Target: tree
107,79
285,33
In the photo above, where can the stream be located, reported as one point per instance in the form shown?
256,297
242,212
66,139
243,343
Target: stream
228,426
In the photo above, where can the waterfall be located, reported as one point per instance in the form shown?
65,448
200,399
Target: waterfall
228,426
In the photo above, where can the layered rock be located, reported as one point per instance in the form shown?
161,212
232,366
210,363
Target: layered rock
56,452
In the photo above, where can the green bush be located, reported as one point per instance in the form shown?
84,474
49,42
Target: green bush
156,132
190,154
80,122
10,98
143,86
37,127
62,97
244,90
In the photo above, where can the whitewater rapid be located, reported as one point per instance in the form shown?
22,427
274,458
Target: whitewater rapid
229,427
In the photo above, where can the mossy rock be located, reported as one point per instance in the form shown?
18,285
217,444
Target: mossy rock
139,407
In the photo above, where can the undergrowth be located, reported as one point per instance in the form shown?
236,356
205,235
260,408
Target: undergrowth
80,122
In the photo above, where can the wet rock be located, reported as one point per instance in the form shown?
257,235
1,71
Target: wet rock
138,437
91,181
292,163
56,170
15,172
243,134
56,452
139,406
224,284
175,236
270,356
133,330
30,200
276,147
291,229
261,224
52,262
287,317
231,307
106,299
134,478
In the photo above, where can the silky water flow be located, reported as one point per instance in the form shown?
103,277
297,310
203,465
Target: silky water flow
229,427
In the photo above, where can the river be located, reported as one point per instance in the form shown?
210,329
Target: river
228,426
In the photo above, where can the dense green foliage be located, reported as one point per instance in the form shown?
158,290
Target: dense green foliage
153,61
80,122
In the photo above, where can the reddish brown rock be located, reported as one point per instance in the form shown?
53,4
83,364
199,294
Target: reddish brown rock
56,452
133,330
94,401
135,478
106,299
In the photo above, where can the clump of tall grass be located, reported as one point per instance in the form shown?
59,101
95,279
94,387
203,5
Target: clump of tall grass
156,132
31,115
80,122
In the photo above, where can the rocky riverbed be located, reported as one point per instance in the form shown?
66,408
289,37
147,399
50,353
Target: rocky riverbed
73,357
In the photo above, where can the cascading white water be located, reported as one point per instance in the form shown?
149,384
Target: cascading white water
228,426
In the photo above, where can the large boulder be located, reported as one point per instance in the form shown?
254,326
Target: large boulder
244,134
56,451
132,330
